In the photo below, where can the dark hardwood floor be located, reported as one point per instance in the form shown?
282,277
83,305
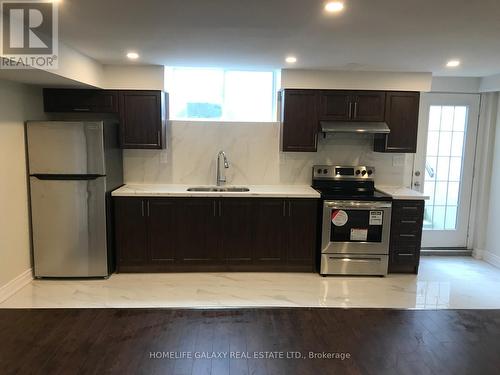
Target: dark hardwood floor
139,341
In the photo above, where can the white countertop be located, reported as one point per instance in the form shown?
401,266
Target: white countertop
402,193
264,191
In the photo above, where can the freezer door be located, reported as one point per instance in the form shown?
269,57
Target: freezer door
65,147
69,227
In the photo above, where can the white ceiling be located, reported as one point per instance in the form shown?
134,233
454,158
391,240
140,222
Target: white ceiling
388,35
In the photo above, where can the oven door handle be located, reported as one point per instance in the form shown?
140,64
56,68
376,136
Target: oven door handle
357,205
357,260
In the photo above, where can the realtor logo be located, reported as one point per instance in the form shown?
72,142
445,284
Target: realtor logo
29,35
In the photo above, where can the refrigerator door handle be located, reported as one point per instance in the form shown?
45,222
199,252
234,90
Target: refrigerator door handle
66,177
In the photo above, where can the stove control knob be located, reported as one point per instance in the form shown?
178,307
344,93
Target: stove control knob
319,171
358,172
363,173
325,171
370,172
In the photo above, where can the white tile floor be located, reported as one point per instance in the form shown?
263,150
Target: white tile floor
443,282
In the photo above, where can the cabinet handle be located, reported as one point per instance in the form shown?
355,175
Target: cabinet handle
220,208
142,208
284,208
408,222
147,205
289,209
81,109
355,109
215,208
407,235
350,109
409,208
405,255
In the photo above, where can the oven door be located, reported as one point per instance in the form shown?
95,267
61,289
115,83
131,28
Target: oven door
356,227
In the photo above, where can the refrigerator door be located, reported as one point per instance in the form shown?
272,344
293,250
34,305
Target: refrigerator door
69,227
65,148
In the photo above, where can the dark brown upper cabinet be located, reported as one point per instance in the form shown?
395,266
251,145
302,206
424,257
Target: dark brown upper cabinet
142,119
299,120
142,113
337,105
87,101
401,114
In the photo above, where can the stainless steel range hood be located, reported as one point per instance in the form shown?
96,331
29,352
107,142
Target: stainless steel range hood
354,127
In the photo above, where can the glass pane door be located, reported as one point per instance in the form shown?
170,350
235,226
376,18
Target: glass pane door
443,168
443,165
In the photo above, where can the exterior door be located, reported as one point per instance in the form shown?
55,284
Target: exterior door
444,164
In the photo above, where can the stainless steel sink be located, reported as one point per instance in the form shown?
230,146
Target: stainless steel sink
216,189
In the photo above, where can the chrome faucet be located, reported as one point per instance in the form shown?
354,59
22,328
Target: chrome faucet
221,177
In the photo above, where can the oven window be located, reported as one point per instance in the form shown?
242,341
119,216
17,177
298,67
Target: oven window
356,225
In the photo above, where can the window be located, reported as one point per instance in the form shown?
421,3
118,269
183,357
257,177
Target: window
444,163
219,94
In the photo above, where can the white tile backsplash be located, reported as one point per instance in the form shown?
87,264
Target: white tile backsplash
254,154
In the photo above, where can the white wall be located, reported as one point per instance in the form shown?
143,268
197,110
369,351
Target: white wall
253,151
465,85
133,77
331,79
17,104
492,248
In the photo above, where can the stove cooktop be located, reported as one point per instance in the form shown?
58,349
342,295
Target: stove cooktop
346,183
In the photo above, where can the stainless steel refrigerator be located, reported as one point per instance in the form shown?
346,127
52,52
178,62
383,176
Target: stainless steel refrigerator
73,167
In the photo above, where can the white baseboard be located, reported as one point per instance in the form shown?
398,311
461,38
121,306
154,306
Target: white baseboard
491,258
14,285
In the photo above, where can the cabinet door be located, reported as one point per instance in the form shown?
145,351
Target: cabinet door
198,231
401,114
299,127
336,105
130,231
368,105
301,244
142,119
162,230
270,226
74,100
237,229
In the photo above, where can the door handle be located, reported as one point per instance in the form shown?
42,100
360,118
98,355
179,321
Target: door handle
220,208
215,208
289,208
350,109
142,207
147,206
284,208
355,109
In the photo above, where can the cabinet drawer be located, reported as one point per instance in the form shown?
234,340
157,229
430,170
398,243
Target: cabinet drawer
402,210
406,227
74,100
404,258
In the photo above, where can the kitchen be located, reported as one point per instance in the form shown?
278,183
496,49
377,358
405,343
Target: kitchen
138,185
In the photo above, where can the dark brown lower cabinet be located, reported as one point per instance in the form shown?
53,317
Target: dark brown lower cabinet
131,232
223,234
161,221
406,236
301,230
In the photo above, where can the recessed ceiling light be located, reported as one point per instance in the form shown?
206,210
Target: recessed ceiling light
453,63
133,55
334,6
291,59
